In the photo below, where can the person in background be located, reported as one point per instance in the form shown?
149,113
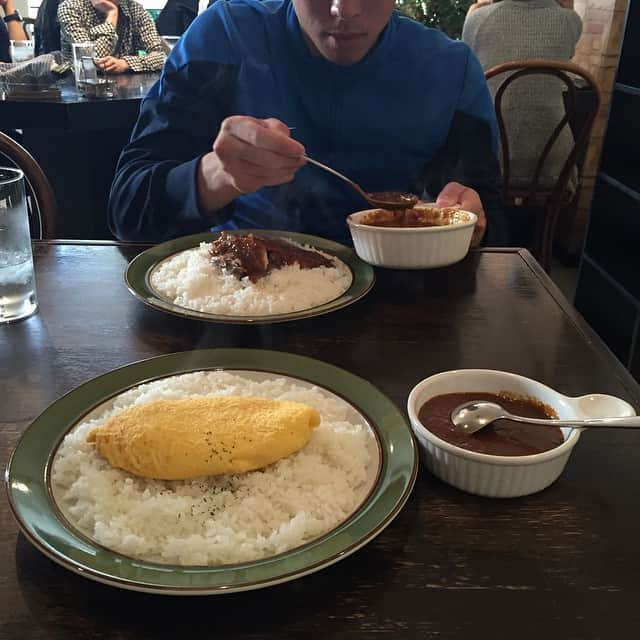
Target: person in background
11,29
46,28
253,86
510,30
121,29
176,16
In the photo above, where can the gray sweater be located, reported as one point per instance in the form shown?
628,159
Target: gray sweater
532,107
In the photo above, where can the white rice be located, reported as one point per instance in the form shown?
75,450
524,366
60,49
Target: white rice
189,279
224,519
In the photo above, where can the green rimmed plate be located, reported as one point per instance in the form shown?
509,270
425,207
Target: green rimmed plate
27,477
138,273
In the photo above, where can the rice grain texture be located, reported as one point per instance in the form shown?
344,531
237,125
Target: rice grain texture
189,279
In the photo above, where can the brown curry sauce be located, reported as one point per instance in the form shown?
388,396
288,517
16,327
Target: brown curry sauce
502,437
418,216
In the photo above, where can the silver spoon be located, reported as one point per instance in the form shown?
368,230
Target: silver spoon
383,200
473,416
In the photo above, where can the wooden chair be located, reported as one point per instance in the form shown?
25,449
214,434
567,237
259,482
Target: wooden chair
41,201
545,204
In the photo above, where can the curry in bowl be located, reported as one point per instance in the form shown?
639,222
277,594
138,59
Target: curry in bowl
500,438
418,216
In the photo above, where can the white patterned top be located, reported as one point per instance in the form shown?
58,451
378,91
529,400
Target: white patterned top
135,32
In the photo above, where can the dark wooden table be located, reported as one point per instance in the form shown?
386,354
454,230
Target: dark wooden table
77,142
564,563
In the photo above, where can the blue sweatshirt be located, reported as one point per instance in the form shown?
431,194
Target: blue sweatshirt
414,114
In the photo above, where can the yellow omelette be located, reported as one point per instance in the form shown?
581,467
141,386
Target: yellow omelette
204,436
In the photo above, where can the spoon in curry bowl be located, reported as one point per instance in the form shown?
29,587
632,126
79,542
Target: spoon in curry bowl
382,200
473,416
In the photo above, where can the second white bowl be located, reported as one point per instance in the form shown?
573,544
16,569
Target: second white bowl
502,476
411,247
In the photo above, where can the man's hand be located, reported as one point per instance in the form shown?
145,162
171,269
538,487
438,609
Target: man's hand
455,194
109,64
248,154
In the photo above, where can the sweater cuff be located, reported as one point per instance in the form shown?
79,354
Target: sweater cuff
135,63
182,190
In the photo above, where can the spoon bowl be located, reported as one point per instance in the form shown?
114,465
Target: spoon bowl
470,417
381,199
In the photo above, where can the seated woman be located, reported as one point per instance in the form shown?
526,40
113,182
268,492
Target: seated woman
120,29
510,30
10,29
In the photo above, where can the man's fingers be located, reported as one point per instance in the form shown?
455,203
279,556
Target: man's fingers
276,125
263,134
455,193
231,149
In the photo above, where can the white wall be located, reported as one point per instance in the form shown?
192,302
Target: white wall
33,5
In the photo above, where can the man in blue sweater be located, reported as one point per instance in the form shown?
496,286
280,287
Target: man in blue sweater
254,86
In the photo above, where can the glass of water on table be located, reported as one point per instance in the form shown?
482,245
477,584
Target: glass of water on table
17,281
21,50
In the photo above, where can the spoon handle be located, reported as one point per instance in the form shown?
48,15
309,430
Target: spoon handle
631,422
337,174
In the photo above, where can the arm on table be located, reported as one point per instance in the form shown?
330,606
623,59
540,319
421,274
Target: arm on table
148,40
74,27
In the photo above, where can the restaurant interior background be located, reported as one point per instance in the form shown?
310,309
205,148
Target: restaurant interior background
598,51
578,271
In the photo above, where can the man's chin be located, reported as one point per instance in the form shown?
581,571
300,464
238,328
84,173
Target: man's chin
343,58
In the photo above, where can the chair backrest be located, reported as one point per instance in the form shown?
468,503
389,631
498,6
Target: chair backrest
43,207
548,199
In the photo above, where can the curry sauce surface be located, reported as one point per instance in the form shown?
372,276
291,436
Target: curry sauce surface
502,437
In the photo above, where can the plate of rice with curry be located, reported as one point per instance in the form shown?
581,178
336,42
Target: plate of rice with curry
211,471
249,276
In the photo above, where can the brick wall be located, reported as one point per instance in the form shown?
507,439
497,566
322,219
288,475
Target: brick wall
597,51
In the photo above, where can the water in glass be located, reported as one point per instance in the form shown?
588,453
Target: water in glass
17,282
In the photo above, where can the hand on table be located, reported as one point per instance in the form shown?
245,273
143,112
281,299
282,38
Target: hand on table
456,194
110,64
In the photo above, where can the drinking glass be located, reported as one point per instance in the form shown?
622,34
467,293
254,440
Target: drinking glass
17,281
82,50
21,50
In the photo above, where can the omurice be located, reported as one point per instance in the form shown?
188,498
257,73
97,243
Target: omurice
204,436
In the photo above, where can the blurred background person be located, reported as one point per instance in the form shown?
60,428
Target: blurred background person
510,30
120,30
176,16
46,28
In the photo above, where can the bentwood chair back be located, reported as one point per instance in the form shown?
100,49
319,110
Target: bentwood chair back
544,203
41,200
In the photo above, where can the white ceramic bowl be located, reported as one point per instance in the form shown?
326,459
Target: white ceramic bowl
411,247
502,476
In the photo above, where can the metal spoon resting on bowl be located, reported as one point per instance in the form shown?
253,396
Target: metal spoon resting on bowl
382,200
473,416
